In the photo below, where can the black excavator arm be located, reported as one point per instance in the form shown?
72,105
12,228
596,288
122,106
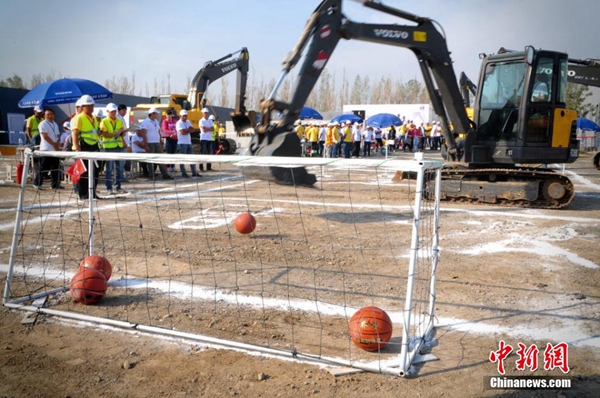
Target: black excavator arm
214,70
324,29
584,71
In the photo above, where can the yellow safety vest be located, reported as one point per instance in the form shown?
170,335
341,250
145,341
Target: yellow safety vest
33,123
89,130
215,131
107,125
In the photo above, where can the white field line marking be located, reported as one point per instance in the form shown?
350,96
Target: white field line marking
114,206
206,220
186,291
582,180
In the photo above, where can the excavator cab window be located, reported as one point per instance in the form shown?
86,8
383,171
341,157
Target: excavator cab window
540,108
500,100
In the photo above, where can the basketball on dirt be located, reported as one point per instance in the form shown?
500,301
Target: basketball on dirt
245,223
98,263
370,328
88,286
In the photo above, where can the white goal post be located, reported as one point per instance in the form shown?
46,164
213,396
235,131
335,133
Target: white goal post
288,289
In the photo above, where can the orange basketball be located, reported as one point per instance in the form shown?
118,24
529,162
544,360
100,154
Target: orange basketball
88,286
245,223
370,328
97,262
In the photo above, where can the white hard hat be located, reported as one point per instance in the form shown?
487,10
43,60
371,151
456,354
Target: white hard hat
183,112
153,110
212,117
85,100
348,123
98,113
38,108
67,126
336,123
111,107
205,110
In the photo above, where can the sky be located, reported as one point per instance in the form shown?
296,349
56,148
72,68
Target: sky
154,39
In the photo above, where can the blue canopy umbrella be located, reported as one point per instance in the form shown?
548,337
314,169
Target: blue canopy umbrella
63,91
347,117
587,124
384,120
309,113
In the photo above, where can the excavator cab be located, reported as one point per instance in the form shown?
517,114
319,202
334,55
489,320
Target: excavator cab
521,111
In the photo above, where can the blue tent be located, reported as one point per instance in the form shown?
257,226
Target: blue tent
350,117
309,113
383,120
63,91
587,124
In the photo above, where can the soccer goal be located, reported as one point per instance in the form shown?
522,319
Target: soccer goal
288,288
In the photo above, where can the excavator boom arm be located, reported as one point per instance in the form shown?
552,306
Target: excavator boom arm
214,70
327,25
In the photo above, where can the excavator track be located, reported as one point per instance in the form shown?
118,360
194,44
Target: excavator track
513,187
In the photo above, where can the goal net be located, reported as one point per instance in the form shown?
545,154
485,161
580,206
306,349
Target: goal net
288,289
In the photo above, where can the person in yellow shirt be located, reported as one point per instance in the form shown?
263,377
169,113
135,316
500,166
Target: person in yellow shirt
31,126
328,141
312,136
428,128
300,130
335,151
347,140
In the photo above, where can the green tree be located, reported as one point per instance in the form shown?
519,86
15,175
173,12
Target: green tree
15,81
577,96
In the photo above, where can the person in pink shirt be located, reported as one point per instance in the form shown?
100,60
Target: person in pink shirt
169,133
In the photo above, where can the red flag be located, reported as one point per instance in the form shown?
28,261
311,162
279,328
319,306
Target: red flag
76,170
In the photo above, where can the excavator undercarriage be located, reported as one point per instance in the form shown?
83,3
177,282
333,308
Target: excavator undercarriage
522,187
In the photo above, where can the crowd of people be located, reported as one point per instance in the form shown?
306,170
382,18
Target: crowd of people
335,139
90,130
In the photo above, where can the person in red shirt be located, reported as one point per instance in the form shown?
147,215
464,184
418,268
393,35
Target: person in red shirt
169,133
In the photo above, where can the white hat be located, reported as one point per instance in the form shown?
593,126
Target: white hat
212,117
336,123
67,126
348,123
85,100
205,110
183,112
98,113
356,123
38,108
153,110
111,107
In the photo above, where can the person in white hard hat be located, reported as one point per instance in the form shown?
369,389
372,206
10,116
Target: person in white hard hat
31,127
84,133
150,128
184,141
347,140
206,130
111,131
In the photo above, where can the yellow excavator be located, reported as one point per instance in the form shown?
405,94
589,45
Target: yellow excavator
519,115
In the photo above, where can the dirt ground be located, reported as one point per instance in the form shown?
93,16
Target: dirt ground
518,275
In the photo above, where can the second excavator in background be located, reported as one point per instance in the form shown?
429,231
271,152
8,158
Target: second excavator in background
520,116
195,100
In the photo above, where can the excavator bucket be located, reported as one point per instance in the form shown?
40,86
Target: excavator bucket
244,123
287,145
